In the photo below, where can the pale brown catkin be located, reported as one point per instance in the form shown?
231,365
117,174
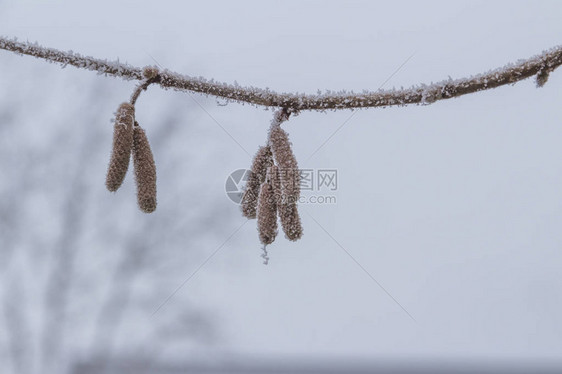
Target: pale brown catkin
122,144
286,161
262,160
287,210
289,175
273,178
145,171
267,214
290,220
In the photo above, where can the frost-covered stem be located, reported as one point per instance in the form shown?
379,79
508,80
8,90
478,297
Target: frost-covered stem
70,58
281,116
421,94
141,87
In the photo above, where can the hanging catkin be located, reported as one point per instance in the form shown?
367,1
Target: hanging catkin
262,160
273,178
145,171
288,172
286,161
267,214
122,144
290,220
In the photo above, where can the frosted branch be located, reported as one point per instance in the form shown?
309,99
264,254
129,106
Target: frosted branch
540,65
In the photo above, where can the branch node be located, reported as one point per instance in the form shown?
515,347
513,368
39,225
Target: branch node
150,72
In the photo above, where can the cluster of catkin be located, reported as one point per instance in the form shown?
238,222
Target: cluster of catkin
129,138
273,186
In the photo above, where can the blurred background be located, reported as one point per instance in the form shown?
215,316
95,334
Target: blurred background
443,250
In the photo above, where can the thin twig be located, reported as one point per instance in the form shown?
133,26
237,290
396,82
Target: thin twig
142,87
541,64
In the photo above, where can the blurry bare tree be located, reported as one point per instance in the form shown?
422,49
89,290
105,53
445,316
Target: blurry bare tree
82,270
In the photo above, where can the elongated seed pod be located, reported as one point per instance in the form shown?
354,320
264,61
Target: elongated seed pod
285,159
267,214
145,171
262,160
122,144
273,178
289,177
290,220
287,209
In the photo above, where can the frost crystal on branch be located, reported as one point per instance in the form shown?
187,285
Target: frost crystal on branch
122,144
446,89
150,72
